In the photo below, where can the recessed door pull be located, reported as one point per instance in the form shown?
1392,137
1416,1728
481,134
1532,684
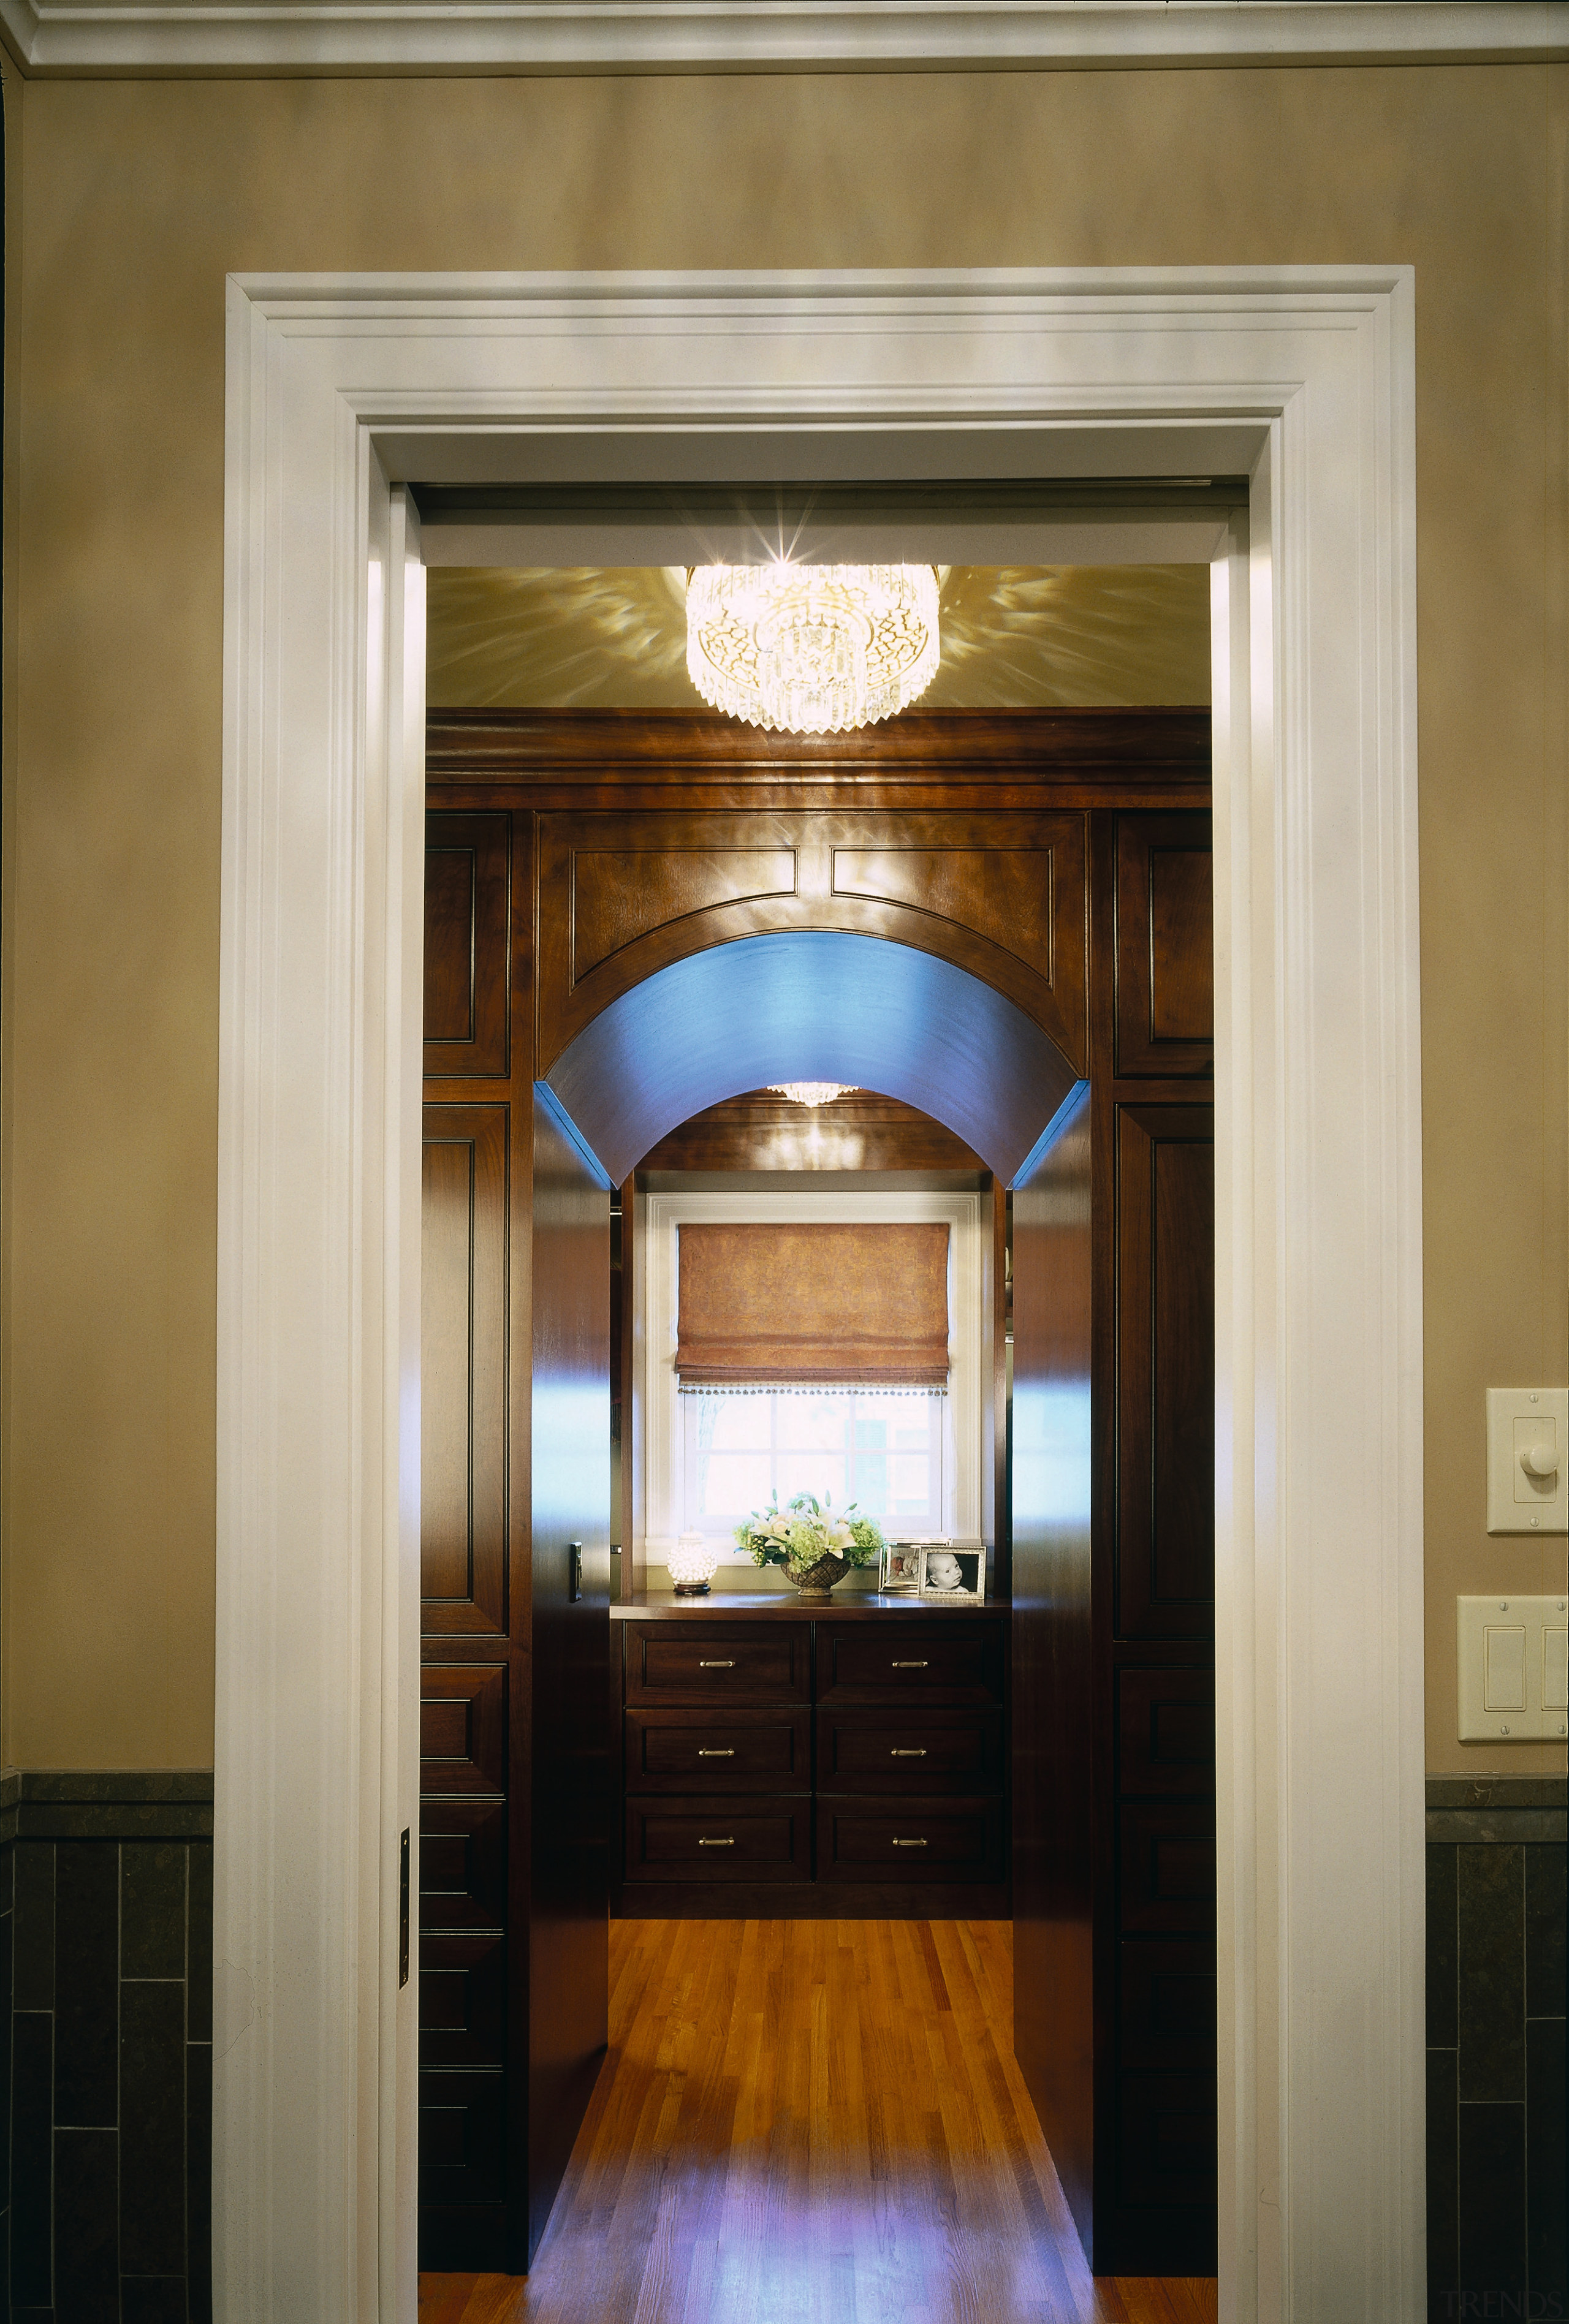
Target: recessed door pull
897,1754
909,1843
706,1752
908,1665
703,1665
730,1843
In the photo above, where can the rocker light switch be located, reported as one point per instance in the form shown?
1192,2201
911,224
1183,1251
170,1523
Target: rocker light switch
1512,1666
1528,1459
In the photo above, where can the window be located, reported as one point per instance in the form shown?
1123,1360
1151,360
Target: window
882,1452
912,1461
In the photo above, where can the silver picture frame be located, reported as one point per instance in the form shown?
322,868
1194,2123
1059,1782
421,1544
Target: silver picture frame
899,1574
938,1559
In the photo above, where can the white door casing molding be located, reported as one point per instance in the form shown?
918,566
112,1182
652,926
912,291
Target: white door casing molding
1305,379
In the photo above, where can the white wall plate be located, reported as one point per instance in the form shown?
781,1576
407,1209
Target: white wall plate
1513,1687
1528,1421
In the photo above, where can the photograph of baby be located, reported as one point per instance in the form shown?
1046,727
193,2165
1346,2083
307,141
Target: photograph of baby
953,1569
900,1566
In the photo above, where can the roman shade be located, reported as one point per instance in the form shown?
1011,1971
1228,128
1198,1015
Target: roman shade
844,1306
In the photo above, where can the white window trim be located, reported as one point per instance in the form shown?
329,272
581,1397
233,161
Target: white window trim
659,1482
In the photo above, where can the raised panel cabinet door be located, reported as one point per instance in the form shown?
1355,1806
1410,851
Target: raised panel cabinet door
463,1728
463,1855
1167,2003
1166,1869
462,2000
466,945
1165,1404
1164,946
1166,1732
463,1372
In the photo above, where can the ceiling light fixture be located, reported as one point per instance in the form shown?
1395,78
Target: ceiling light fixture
813,1093
811,648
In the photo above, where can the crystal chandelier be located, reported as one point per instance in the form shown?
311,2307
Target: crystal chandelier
812,1093
811,648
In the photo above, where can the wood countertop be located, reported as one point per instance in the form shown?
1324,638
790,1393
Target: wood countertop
784,1606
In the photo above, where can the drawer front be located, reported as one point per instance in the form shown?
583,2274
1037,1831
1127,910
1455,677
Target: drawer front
1168,1864
928,1660
908,1753
718,1841
914,1839
1165,1733
672,1749
710,1661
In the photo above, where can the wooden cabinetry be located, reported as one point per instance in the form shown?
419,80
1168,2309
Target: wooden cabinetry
779,1760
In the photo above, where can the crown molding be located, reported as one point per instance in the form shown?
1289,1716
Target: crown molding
131,39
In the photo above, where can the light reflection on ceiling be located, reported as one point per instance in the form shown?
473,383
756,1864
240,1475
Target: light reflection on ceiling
1014,637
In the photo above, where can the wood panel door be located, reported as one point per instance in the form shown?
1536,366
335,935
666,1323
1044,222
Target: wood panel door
1113,1587
570,1774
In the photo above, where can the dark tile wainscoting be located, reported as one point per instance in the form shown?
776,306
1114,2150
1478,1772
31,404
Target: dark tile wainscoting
1495,2164
106,1954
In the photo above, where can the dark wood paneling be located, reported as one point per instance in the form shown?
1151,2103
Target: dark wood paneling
623,896
927,1661
462,2000
761,1131
1168,2003
1166,2148
570,1786
463,1727
675,1749
461,2142
719,1840
693,1662
1166,1732
463,1860
1164,946
620,894
909,1840
467,966
1165,1404
695,750
463,1344
908,1752
1055,1662
1166,1886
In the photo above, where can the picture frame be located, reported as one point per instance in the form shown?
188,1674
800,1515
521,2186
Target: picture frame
939,1559
901,1568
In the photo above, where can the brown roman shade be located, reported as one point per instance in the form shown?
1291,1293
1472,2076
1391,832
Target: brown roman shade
834,1304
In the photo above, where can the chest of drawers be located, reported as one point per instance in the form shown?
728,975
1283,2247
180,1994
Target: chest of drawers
822,1764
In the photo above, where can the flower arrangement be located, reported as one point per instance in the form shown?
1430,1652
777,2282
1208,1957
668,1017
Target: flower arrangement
815,1546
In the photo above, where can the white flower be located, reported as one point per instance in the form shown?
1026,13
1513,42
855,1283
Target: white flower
843,1535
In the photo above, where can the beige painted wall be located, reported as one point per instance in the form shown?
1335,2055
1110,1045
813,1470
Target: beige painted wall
130,201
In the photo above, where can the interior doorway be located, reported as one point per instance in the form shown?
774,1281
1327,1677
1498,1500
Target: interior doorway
628,962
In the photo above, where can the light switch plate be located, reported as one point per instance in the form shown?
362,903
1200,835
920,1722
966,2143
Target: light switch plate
1512,1666
1517,1502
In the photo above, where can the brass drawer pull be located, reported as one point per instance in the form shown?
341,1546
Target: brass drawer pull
703,1665
897,1754
907,1843
909,1666
706,1752
730,1843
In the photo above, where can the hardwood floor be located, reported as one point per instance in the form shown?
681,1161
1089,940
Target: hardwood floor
811,2122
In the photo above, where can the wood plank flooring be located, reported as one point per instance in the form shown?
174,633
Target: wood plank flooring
811,2122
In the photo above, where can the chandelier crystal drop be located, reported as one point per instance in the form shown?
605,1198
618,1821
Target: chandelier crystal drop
811,648
812,1093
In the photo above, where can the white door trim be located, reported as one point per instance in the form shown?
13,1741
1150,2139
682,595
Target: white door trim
1305,377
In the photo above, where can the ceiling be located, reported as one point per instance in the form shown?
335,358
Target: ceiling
1014,637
